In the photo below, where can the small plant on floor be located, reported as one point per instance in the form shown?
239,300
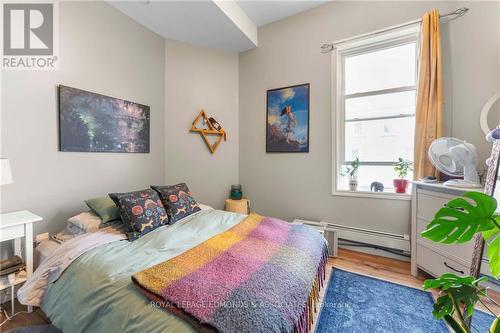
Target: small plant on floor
458,222
351,171
402,168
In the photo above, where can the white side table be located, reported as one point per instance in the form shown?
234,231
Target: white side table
18,225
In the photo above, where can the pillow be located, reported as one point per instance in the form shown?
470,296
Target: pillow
87,221
104,207
141,212
71,231
204,207
177,201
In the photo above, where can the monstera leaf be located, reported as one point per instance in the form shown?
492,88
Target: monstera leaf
443,307
492,239
461,290
449,280
459,220
466,295
495,327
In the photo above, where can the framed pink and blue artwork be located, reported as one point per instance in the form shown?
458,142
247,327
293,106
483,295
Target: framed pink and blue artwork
287,121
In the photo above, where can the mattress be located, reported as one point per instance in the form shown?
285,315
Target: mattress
96,294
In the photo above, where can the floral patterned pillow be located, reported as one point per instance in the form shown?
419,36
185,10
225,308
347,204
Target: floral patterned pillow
141,212
177,200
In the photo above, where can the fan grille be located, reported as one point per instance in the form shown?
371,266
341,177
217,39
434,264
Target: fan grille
449,155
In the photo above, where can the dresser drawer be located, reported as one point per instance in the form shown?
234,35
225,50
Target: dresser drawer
429,204
461,253
437,264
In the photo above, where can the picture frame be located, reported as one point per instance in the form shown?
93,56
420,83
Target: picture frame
287,119
91,122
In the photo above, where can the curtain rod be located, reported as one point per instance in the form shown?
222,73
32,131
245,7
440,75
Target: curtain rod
328,47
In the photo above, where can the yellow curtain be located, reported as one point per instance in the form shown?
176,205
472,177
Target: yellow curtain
429,113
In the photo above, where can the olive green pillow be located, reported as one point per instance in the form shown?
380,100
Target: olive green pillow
104,207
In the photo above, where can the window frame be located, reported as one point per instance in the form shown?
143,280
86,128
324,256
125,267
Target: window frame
356,46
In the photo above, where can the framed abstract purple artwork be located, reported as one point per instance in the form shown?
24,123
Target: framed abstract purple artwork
90,122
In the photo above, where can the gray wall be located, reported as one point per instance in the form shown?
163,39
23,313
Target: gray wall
201,78
299,185
103,51
472,70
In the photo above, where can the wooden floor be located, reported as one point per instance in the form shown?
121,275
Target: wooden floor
388,269
37,317
392,270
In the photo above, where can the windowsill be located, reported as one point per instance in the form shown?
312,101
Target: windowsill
373,195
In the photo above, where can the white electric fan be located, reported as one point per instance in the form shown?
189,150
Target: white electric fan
455,158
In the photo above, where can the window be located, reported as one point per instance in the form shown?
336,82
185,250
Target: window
375,108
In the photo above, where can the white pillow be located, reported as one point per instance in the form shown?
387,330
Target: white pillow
204,207
71,231
87,221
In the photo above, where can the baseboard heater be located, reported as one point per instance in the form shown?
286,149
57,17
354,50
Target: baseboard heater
373,237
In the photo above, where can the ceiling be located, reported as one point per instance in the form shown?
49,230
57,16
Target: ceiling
222,24
196,22
264,12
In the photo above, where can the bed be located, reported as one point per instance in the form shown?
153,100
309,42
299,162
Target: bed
86,285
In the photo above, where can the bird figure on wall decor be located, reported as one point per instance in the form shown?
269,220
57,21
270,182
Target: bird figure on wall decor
291,122
210,127
286,110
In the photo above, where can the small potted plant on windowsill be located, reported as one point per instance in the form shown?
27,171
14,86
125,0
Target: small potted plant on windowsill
351,171
402,168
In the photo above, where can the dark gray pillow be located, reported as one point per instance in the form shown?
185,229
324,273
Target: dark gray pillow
177,201
141,211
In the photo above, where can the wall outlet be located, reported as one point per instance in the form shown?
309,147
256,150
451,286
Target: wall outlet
42,237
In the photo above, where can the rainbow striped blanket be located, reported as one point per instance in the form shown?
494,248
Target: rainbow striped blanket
262,275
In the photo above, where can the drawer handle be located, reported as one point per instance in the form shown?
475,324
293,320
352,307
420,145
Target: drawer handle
456,208
453,269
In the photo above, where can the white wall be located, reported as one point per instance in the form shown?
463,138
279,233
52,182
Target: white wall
201,78
299,185
472,70
103,51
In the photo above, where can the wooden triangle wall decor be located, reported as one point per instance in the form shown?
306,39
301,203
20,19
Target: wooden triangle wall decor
206,130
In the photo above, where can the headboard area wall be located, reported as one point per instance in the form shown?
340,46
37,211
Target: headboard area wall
102,51
201,78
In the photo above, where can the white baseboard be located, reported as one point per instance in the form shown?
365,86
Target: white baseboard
375,252
373,237
367,236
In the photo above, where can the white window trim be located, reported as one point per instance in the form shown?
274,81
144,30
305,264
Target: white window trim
364,42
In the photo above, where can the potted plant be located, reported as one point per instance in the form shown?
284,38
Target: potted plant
352,172
458,222
402,168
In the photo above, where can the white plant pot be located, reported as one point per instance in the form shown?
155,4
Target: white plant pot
353,184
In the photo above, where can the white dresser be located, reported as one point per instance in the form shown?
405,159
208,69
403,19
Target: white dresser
435,258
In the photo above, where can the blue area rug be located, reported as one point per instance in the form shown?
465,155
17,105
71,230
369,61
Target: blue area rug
355,303
481,321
